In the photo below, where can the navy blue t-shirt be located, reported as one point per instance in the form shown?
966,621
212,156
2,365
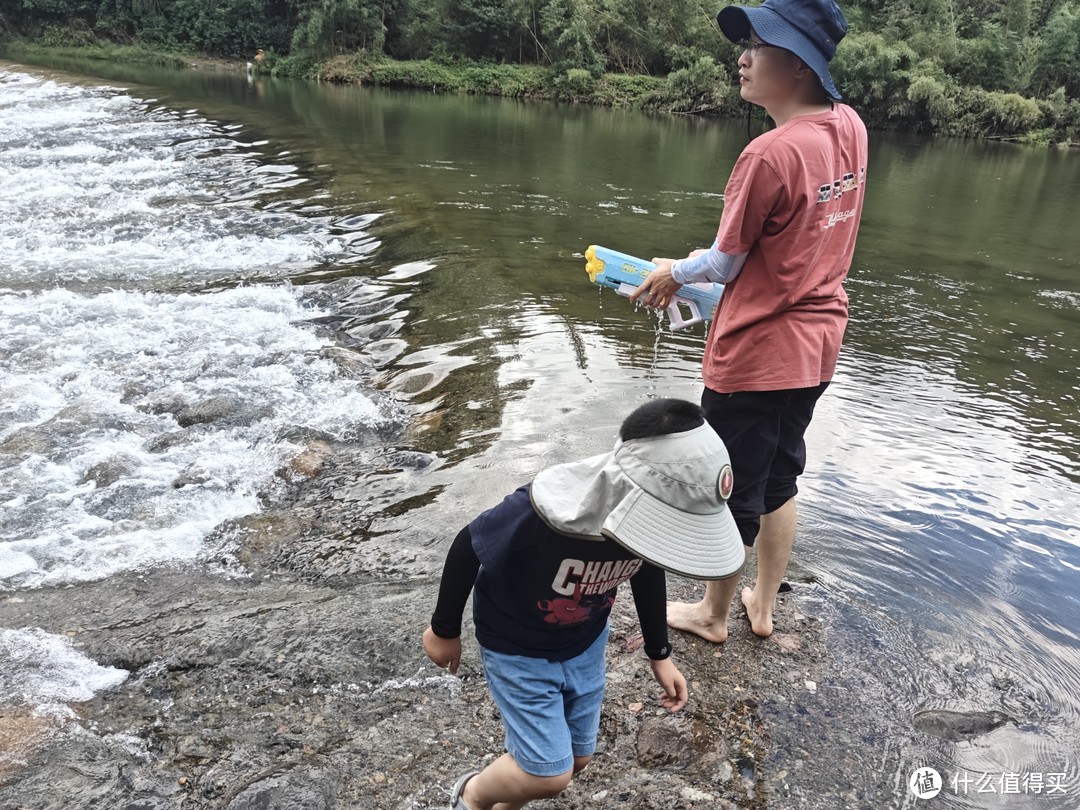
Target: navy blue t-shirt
543,594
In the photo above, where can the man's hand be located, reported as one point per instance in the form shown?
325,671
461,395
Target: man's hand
673,682
446,652
658,287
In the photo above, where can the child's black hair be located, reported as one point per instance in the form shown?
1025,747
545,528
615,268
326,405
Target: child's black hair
661,416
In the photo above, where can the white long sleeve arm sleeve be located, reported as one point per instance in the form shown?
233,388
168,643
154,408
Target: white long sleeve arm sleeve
712,265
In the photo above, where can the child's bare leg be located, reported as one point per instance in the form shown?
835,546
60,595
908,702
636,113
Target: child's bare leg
502,785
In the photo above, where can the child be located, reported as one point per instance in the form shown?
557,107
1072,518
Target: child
543,567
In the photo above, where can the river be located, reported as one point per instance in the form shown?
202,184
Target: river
205,274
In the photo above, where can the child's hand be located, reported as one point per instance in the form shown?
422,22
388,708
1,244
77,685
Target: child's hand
669,677
446,652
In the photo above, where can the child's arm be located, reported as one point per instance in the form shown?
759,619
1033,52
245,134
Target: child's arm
649,587
442,640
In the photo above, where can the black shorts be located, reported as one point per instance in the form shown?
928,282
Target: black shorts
763,432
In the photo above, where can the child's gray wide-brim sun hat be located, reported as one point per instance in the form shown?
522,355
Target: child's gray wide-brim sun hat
810,29
664,498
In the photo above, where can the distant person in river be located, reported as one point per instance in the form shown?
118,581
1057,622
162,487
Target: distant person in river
792,207
543,567
258,55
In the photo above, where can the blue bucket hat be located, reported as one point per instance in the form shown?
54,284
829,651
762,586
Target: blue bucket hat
810,29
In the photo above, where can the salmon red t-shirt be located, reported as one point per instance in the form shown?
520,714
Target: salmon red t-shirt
793,202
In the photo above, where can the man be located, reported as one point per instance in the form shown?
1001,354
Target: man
787,233
543,568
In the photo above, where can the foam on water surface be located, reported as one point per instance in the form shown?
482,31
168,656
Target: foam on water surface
136,422
44,669
97,185
146,394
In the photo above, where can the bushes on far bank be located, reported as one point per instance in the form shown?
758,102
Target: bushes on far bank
888,83
693,90
889,91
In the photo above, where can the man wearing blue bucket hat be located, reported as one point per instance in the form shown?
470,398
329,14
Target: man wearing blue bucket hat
792,207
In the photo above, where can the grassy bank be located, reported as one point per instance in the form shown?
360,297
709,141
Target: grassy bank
93,49
699,89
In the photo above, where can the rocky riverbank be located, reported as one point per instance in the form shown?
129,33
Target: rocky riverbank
286,671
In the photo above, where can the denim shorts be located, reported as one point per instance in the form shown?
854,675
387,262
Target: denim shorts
550,709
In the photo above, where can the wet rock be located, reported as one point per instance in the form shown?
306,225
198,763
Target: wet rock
22,732
423,424
309,462
670,742
159,403
75,418
27,441
350,362
224,410
295,788
166,441
193,475
406,460
298,434
955,726
662,743
787,642
263,537
125,500
110,471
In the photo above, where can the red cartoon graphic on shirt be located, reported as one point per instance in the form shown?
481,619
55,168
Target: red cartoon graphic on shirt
565,611
570,611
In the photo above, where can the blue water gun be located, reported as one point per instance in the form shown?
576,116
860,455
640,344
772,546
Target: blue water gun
624,273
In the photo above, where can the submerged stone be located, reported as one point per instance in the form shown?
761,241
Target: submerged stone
956,726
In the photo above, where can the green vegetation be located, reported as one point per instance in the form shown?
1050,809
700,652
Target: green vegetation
94,49
971,68
515,81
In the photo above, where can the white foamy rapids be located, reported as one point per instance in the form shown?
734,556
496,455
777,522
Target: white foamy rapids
45,670
98,186
106,462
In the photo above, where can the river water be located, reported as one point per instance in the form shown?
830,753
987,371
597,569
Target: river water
203,273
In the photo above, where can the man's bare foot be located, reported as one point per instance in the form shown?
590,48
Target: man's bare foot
760,620
698,620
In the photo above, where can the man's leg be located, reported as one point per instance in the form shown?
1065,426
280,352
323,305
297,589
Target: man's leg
776,536
774,542
749,425
709,617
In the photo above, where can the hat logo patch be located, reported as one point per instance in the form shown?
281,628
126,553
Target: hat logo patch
726,482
